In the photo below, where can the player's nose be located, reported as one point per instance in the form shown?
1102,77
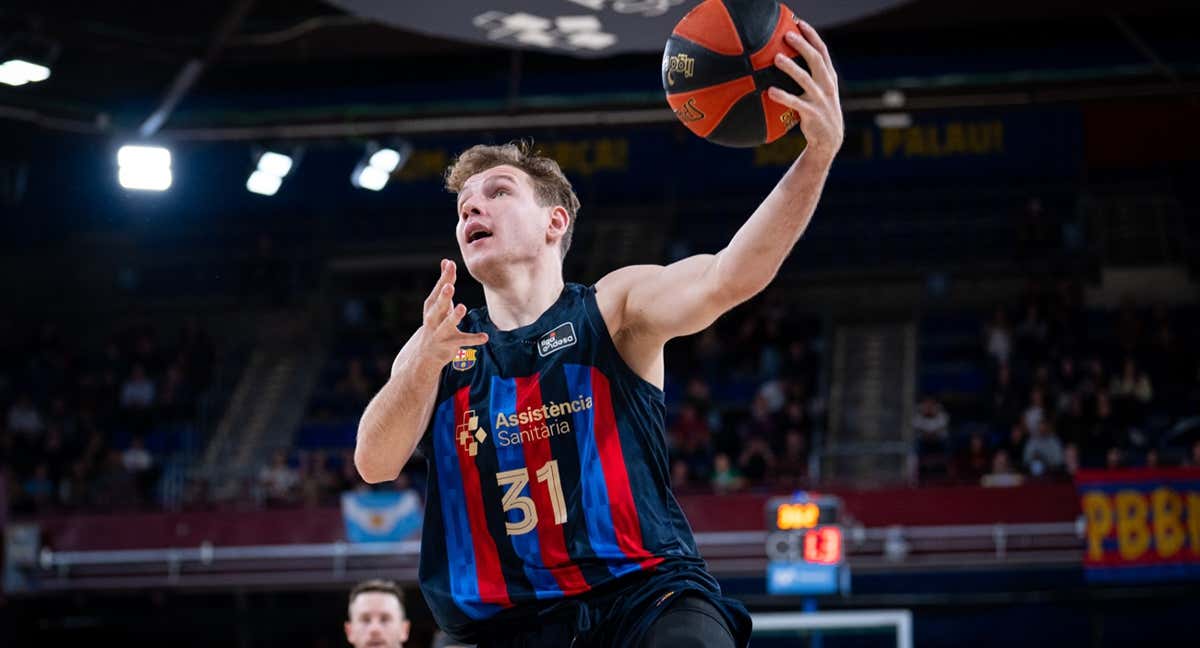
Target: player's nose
471,207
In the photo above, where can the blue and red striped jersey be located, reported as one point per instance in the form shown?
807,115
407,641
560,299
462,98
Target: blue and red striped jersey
548,472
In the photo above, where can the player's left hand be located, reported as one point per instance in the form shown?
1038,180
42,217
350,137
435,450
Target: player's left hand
820,107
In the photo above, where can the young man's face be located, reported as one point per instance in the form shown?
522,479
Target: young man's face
501,222
376,621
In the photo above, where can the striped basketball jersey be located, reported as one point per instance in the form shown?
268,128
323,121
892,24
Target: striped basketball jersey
548,472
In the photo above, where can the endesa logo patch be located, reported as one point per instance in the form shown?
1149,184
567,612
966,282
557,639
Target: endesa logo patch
561,337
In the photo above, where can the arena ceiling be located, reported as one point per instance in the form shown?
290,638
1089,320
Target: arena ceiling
207,63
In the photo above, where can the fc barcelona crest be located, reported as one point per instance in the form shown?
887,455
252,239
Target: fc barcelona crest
464,359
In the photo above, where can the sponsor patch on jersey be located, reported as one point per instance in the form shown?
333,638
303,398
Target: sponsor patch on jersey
561,337
464,359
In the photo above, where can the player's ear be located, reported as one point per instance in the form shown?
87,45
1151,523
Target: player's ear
560,220
349,636
404,628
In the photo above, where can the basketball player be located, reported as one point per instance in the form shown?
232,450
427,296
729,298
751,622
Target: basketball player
549,519
376,616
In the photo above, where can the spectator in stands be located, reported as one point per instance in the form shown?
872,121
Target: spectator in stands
794,419
146,352
760,424
770,354
55,452
376,616
774,394
137,401
972,462
39,489
24,418
140,464
1002,473
791,467
725,477
1031,335
689,429
1114,458
1071,460
1072,426
1066,383
1103,433
931,427
73,487
1044,452
355,386
691,442
756,461
1035,413
176,401
680,477
278,480
1151,458
1005,403
317,483
1131,393
1014,445
998,337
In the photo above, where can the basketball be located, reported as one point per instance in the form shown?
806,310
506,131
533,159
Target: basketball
719,63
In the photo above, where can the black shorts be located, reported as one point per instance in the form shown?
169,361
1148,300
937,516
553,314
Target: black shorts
676,607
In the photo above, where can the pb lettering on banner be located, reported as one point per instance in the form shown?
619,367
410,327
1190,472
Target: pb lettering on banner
1142,525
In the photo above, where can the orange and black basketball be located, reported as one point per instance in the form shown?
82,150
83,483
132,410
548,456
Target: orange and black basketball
719,63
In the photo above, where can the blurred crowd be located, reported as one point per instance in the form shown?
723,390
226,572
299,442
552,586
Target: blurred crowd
83,424
1068,390
88,426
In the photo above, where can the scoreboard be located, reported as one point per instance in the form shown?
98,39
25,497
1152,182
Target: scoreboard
805,549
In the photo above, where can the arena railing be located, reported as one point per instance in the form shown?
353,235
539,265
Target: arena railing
728,553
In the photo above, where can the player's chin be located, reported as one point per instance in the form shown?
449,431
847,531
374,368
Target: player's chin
478,261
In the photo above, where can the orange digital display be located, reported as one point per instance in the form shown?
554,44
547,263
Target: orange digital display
823,545
790,517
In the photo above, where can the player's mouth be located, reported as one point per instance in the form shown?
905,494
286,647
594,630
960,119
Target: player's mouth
476,233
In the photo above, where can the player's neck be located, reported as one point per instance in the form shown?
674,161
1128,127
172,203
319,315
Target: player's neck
525,293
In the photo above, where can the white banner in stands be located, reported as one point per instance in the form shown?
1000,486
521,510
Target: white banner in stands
585,28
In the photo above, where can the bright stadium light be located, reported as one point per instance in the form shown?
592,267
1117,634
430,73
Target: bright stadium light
379,166
276,164
386,159
263,183
144,168
18,72
370,177
266,179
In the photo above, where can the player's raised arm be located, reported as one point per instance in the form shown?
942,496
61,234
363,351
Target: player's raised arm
397,416
687,296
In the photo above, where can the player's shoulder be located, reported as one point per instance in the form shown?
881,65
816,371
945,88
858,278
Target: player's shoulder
612,293
621,280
